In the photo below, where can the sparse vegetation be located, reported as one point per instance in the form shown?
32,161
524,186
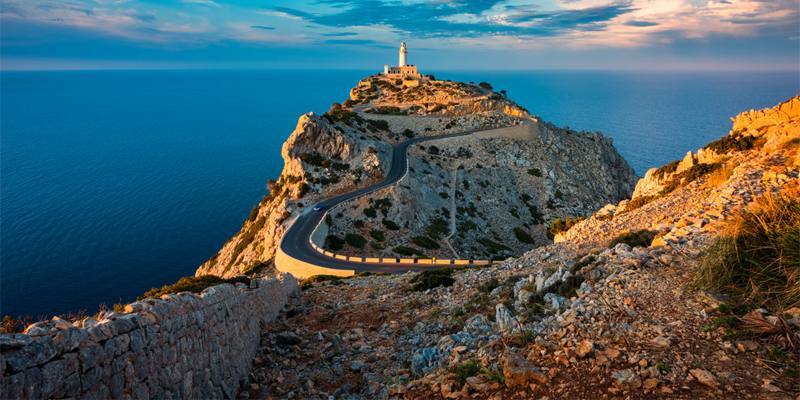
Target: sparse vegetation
560,225
640,238
194,284
389,224
355,240
425,242
408,251
467,369
377,235
731,143
437,228
757,258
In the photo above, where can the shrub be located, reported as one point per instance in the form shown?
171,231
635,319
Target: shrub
378,124
731,143
256,268
640,238
560,225
334,242
13,325
444,195
370,212
408,251
485,85
492,246
433,150
667,168
408,133
390,110
389,224
466,369
523,236
640,201
432,279
535,172
757,258
536,216
425,242
377,235
438,227
355,240
194,284
304,188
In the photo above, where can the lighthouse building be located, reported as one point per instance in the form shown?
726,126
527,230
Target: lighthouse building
403,70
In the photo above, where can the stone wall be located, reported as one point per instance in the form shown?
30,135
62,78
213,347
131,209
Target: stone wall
180,346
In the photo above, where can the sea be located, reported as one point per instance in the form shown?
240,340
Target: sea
113,182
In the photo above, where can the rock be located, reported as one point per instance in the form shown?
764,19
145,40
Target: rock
504,321
626,379
584,348
661,342
651,383
705,377
519,372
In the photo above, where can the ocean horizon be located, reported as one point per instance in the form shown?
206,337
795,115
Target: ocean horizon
115,181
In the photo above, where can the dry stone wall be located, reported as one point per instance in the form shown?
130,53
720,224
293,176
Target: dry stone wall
187,346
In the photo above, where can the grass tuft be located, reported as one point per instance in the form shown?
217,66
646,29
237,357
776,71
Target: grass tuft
641,238
757,258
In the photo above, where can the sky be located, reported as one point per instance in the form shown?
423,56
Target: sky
364,34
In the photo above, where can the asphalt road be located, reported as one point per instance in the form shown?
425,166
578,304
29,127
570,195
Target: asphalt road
296,244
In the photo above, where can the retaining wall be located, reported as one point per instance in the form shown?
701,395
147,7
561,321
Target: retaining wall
186,346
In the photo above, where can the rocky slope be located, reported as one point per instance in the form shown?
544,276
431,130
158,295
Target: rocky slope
597,314
551,172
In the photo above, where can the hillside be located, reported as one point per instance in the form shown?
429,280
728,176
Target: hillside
628,303
490,194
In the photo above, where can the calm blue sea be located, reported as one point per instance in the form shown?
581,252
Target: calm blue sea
113,182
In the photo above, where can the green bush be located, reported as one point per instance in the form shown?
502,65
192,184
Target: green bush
389,224
432,279
485,85
535,172
408,133
640,238
370,212
437,228
523,236
378,124
194,284
334,242
425,242
756,260
433,150
640,201
377,235
355,240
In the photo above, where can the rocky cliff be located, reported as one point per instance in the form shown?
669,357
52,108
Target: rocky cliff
521,178
612,310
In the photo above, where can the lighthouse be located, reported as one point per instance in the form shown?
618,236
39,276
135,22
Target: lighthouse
403,53
403,70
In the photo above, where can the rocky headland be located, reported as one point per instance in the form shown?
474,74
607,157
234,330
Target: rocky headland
486,195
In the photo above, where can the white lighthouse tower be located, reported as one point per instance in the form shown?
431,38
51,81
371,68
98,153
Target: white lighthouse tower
403,53
403,70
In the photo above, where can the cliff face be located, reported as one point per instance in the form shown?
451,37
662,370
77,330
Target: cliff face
600,313
520,177
321,157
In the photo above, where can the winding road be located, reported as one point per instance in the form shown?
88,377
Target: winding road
296,242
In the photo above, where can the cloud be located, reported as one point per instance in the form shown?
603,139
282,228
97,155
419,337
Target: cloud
339,34
263,27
